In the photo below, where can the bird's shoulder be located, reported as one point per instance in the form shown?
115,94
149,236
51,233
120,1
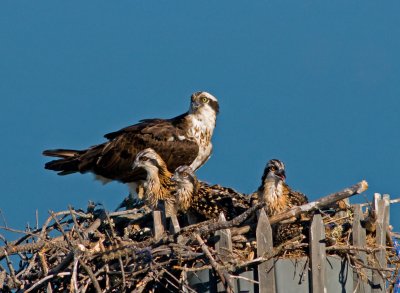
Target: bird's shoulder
156,128
295,198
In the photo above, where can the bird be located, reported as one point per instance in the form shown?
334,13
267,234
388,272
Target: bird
157,185
184,139
204,200
279,197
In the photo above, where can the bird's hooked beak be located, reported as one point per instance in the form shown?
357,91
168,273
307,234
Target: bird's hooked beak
281,174
136,165
174,178
195,105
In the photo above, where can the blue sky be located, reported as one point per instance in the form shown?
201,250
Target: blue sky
313,83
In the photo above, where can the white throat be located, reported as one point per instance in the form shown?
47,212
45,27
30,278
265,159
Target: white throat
184,196
151,186
272,190
202,124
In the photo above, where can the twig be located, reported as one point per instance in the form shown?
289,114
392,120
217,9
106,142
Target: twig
213,262
91,276
40,282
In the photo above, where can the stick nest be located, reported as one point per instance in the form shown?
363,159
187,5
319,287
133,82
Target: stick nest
97,251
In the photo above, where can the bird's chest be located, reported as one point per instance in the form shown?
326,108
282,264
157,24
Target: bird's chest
274,197
201,132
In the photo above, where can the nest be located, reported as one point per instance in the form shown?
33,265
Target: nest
99,251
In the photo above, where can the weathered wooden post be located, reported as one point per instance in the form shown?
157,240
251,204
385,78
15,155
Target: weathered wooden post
378,280
317,255
224,249
359,240
159,221
266,272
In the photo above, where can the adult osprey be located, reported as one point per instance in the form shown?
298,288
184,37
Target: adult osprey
279,197
202,199
185,139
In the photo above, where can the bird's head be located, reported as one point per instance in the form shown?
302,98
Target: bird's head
203,102
275,169
149,160
184,176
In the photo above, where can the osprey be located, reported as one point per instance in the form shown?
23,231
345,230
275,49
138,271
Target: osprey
206,200
158,184
185,139
279,197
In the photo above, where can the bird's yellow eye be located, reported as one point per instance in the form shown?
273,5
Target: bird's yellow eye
145,159
272,168
204,100
184,174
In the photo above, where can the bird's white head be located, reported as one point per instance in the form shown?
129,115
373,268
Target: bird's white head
204,103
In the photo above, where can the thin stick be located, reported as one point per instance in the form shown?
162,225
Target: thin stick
40,282
213,262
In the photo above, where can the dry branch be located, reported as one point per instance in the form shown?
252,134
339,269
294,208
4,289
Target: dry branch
96,251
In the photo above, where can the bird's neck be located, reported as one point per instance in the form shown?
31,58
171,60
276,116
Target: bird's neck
156,185
184,195
200,128
202,122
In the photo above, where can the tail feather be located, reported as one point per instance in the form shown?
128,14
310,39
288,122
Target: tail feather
63,166
61,153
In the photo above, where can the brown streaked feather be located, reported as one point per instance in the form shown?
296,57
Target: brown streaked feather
294,198
210,201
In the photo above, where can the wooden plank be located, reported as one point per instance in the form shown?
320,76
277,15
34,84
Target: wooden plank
318,254
224,249
158,225
224,244
378,283
266,272
174,226
377,198
389,240
359,240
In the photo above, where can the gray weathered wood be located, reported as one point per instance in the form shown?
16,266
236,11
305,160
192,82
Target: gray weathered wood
378,283
317,254
359,240
158,225
266,272
224,244
377,198
224,249
174,224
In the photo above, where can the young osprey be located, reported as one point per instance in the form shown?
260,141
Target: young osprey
279,197
185,139
158,184
205,200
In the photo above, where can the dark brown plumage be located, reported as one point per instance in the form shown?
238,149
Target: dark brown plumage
279,197
185,139
205,200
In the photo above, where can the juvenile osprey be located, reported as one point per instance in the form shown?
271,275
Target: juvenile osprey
185,139
279,197
205,200
158,184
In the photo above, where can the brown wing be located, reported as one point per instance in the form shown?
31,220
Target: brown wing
294,198
114,158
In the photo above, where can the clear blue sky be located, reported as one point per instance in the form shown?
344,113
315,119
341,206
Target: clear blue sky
313,83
